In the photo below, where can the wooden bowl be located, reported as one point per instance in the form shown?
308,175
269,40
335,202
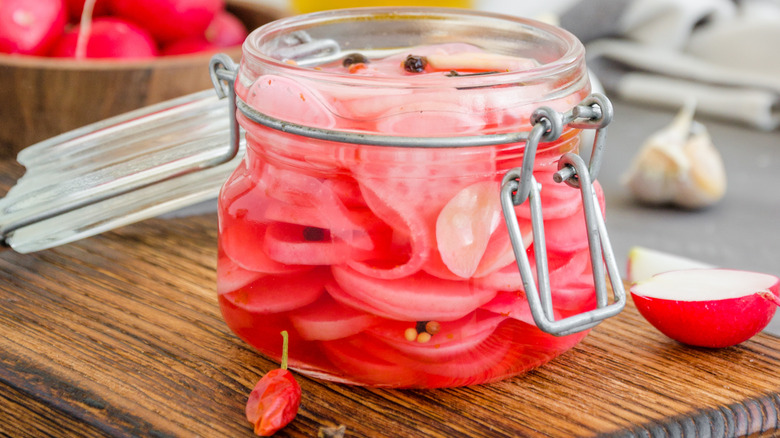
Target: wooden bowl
42,97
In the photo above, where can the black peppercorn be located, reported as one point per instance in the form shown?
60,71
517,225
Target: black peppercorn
415,64
354,58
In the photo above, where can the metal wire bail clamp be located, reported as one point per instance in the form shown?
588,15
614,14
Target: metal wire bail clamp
519,185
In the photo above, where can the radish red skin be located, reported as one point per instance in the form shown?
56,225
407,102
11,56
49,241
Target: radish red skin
30,27
110,38
712,324
226,30
169,20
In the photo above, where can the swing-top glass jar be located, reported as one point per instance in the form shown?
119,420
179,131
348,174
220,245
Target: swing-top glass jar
366,218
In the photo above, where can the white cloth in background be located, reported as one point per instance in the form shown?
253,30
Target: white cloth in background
723,54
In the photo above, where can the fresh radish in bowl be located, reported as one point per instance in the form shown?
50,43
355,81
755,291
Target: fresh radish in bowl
108,38
711,308
30,27
169,20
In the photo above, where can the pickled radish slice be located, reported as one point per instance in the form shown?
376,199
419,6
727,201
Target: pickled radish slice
562,269
300,245
414,298
558,200
499,251
511,305
569,234
280,293
410,242
362,359
481,358
289,100
453,337
465,225
430,118
327,319
230,276
243,228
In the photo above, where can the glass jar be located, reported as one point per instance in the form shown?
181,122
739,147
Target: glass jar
391,265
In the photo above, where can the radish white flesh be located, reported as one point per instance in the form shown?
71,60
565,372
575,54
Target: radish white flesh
643,263
704,284
711,308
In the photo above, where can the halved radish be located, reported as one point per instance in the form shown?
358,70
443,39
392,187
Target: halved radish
708,307
327,319
417,297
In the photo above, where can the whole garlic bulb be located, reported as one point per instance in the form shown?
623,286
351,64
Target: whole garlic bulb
678,165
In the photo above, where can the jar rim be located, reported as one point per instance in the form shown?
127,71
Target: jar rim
571,57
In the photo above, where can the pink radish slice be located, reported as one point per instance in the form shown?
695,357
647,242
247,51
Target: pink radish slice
280,293
453,338
30,27
242,226
481,358
430,117
562,269
410,238
464,227
355,226
289,100
307,200
569,234
365,361
712,308
499,252
414,298
347,190
327,319
293,244
511,305
230,276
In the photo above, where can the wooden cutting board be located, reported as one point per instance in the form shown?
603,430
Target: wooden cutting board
121,335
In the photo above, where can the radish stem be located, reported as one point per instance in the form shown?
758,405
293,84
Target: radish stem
770,297
284,350
85,28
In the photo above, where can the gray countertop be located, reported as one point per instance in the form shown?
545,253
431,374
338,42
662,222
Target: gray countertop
740,232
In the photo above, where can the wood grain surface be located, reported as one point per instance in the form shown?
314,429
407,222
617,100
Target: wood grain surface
120,335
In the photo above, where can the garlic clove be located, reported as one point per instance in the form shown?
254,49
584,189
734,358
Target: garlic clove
678,165
706,180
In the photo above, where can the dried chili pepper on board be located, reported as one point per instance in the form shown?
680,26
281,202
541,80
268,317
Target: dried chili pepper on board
274,401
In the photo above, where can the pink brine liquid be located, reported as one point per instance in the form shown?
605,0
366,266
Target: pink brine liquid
392,266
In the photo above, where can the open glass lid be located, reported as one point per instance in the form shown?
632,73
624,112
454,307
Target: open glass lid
121,170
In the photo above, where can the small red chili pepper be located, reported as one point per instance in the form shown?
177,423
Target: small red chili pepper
274,402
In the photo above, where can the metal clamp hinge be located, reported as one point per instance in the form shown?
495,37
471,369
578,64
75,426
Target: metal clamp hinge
519,185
